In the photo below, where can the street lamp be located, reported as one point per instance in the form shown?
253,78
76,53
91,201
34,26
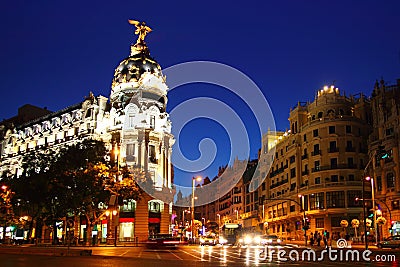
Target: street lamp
117,155
183,217
194,179
368,178
219,220
110,239
305,223
6,195
237,215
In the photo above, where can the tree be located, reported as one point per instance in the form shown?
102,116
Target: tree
73,180
36,187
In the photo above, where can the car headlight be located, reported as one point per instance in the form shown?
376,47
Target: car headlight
278,240
257,239
247,239
202,240
222,240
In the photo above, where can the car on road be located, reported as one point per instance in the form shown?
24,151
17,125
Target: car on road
208,240
390,242
164,240
250,239
270,240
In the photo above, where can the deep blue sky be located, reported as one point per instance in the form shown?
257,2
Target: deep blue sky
52,53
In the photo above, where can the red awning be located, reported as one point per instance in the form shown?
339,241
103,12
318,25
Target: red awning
125,220
154,220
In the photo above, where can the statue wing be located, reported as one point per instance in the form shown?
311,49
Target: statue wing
148,29
133,22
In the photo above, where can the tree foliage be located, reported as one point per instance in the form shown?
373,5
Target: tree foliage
73,180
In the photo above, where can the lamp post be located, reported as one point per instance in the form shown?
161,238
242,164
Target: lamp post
117,155
368,178
305,225
219,220
110,239
237,216
183,217
6,195
194,179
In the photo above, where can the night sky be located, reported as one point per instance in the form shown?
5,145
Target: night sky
52,53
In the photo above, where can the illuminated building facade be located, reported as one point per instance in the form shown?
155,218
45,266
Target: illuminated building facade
134,125
385,104
318,166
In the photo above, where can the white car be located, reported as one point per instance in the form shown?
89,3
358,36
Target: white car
270,240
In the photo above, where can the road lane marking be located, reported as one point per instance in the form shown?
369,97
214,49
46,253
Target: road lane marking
191,255
124,253
175,255
140,254
158,256
222,258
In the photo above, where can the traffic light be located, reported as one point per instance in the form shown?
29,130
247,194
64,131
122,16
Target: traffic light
306,223
381,153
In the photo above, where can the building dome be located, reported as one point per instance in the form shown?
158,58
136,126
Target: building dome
133,67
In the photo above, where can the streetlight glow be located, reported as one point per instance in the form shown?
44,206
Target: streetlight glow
194,179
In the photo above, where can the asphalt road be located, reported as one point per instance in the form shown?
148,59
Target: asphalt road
197,256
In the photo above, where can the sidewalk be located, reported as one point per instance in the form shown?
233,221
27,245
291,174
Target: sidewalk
46,251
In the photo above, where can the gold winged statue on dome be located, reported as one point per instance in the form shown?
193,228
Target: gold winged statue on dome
141,29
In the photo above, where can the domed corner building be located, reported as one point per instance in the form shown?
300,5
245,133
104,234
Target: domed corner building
136,129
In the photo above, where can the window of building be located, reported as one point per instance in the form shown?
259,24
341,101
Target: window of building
379,183
332,129
304,202
154,206
305,138
130,149
152,121
350,162
320,115
292,172
129,205
316,149
390,180
317,180
334,163
131,120
319,223
351,177
332,146
349,146
317,201
389,131
334,178
335,199
348,128
335,221
316,165
292,187
292,208
315,133
292,159
152,154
